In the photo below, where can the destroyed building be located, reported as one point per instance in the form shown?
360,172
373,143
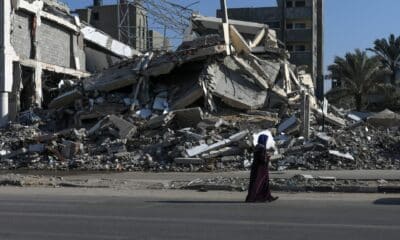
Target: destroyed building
198,108
299,25
42,43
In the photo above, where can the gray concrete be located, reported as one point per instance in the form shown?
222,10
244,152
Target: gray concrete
175,176
310,37
344,174
173,215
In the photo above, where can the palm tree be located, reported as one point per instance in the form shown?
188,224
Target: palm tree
358,74
388,51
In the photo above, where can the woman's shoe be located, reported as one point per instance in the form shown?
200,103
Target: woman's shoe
272,199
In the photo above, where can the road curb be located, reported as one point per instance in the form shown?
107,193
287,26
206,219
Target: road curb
338,189
281,188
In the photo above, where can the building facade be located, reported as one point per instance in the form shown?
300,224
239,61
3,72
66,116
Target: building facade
41,43
299,25
131,29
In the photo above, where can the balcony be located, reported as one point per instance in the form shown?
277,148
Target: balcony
299,13
299,35
301,58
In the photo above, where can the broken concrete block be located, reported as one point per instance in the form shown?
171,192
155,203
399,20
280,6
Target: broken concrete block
301,149
207,148
347,156
96,127
287,124
268,69
69,148
126,129
159,68
159,121
161,102
329,118
187,117
260,81
234,88
188,98
354,117
114,78
197,150
324,138
227,151
65,99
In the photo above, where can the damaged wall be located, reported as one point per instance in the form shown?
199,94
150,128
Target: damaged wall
42,35
39,35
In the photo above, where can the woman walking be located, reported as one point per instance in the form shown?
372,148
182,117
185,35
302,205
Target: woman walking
259,190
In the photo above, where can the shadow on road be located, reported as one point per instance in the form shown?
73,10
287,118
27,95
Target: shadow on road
199,202
388,201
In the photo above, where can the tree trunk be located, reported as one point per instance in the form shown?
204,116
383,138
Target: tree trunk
358,99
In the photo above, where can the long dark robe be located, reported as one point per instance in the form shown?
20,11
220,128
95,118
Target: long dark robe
259,190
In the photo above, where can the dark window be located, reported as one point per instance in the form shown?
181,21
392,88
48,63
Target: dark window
96,16
300,26
289,26
274,24
289,4
300,48
289,48
300,3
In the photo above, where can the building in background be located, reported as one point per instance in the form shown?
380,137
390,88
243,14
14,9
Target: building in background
299,25
123,21
157,41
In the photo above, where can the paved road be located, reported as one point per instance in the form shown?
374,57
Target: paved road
216,216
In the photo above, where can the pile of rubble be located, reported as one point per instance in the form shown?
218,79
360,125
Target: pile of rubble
195,109
362,147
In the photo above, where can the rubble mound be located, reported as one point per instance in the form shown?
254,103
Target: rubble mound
197,109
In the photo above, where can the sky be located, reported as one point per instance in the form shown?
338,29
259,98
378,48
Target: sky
349,24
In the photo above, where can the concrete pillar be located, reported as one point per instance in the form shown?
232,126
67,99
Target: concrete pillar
7,55
225,26
38,86
305,114
3,109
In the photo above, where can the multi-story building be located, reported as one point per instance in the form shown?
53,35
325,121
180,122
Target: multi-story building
299,25
125,22
157,41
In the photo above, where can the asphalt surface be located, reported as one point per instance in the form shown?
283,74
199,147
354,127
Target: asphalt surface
169,215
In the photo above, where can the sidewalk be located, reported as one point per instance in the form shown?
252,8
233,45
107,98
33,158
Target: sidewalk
176,176
357,181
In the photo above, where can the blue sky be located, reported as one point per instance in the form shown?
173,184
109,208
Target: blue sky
349,24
